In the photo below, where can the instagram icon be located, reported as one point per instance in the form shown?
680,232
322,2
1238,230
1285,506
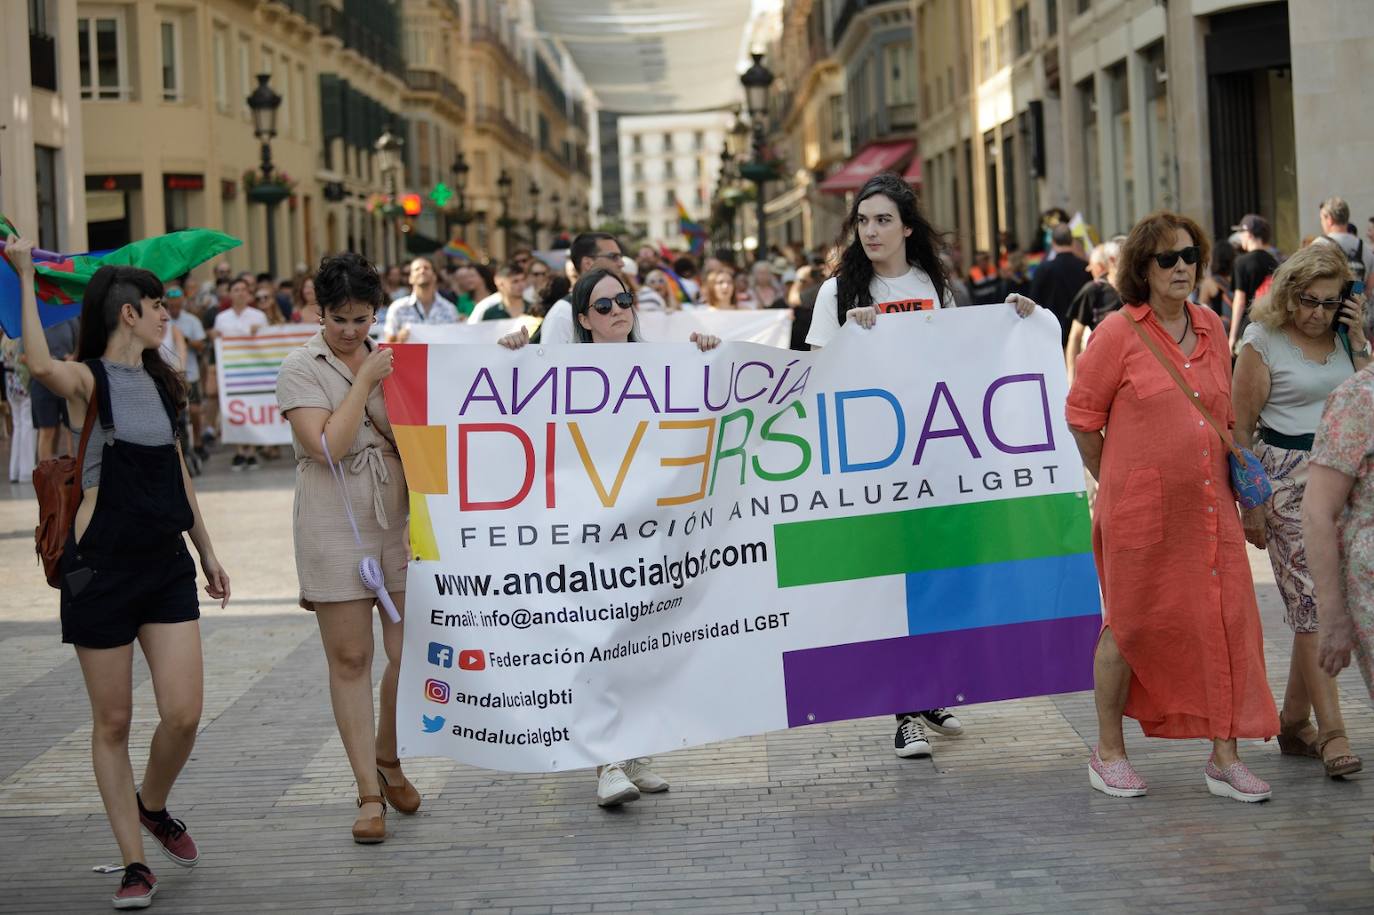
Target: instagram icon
436,691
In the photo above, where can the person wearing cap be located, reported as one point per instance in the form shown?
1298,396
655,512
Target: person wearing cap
1252,268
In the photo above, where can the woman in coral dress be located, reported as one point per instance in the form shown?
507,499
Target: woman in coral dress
1182,650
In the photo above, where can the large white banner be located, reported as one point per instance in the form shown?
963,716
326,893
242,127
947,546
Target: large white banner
246,368
771,327
624,550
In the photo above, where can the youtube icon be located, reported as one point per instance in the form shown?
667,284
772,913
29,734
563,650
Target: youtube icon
472,659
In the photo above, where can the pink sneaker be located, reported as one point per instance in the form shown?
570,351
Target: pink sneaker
1118,779
1235,782
136,889
170,834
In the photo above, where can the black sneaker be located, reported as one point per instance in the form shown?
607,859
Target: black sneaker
251,462
238,462
911,740
941,722
136,889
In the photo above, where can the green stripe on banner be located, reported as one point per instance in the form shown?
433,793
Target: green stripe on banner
922,539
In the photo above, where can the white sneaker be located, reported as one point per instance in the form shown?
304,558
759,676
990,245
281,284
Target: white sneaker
613,788
644,778
942,722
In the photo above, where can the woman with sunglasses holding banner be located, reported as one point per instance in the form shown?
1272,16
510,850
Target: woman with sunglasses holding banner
1306,338
1181,649
603,307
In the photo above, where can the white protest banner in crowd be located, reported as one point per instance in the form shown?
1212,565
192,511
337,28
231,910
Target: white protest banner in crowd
771,327
620,550
247,368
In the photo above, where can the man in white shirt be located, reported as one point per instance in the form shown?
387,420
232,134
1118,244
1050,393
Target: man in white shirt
589,251
241,320
423,305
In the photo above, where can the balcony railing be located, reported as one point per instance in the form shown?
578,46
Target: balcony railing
43,61
495,119
430,81
482,34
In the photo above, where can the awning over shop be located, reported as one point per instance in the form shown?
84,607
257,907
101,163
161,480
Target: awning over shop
871,160
912,175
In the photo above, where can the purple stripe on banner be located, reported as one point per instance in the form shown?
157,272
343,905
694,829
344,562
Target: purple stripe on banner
940,669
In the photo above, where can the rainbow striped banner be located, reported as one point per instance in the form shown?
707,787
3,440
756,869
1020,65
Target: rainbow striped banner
246,368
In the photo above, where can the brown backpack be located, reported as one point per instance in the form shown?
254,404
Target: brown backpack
58,484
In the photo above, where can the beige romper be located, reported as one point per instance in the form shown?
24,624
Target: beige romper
327,555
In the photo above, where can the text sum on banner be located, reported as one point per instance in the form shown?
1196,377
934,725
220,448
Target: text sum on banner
771,327
624,549
247,370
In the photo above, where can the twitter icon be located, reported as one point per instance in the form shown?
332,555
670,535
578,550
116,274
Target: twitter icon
432,725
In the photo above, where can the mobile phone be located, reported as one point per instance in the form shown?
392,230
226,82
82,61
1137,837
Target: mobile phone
78,579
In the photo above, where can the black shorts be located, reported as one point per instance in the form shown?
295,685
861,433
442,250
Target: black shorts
49,410
115,595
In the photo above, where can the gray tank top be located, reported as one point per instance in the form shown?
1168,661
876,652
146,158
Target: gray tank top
139,416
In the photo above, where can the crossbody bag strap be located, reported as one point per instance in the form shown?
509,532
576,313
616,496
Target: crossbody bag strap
1194,397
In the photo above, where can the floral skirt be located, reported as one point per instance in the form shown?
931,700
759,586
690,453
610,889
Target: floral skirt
1287,469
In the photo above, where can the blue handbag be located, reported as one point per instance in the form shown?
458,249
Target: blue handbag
1249,480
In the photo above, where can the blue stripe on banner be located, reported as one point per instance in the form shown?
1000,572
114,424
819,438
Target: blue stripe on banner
1001,593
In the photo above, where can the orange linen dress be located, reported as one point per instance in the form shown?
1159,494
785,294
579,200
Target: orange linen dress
1167,536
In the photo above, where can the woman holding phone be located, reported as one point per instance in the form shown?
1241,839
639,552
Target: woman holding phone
126,573
604,312
1305,339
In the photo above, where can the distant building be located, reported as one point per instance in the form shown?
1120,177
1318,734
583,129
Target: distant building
665,159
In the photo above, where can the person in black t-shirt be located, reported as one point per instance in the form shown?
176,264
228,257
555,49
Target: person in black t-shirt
1058,280
1251,270
1094,301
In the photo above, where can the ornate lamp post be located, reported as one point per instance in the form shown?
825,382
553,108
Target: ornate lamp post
533,221
264,104
756,81
503,185
554,224
727,168
388,148
460,184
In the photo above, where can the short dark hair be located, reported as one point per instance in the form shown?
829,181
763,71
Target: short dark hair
345,278
685,266
240,279
1061,235
1154,231
509,269
585,245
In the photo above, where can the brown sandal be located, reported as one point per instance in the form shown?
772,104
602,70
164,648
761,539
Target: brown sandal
1343,765
1290,744
371,831
404,798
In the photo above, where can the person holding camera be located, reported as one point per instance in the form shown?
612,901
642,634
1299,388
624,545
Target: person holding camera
1306,338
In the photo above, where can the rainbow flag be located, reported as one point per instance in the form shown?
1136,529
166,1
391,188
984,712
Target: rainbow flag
460,250
675,284
696,233
60,284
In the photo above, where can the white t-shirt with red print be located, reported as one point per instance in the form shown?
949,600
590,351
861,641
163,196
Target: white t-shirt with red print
912,291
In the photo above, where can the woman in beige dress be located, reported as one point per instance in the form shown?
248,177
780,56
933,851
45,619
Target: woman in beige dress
330,388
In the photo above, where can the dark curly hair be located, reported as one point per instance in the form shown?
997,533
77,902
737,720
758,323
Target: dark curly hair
855,272
346,278
110,289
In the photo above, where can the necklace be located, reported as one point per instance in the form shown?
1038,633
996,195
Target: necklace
1187,325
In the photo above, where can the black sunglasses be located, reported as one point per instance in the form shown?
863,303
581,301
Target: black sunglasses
625,300
1166,259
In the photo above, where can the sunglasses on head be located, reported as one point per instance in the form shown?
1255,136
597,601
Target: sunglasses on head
625,300
1166,259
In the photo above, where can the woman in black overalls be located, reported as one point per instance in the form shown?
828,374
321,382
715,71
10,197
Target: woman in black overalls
126,573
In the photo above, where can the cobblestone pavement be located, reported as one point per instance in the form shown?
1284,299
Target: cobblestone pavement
822,819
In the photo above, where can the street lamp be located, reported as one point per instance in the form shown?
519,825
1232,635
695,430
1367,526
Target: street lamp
727,175
555,198
756,81
264,104
388,148
503,185
460,183
533,222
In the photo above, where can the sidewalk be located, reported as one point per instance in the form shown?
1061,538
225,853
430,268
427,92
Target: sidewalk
821,819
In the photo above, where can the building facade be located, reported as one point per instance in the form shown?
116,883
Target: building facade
42,172
665,159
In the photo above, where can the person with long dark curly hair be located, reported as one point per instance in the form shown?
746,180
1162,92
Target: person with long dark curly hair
126,575
890,263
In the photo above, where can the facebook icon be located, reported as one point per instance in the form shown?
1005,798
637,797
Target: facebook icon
440,655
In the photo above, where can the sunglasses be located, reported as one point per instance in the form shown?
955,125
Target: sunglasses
625,300
1166,259
1324,304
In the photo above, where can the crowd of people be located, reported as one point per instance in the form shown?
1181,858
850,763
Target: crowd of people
1161,335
